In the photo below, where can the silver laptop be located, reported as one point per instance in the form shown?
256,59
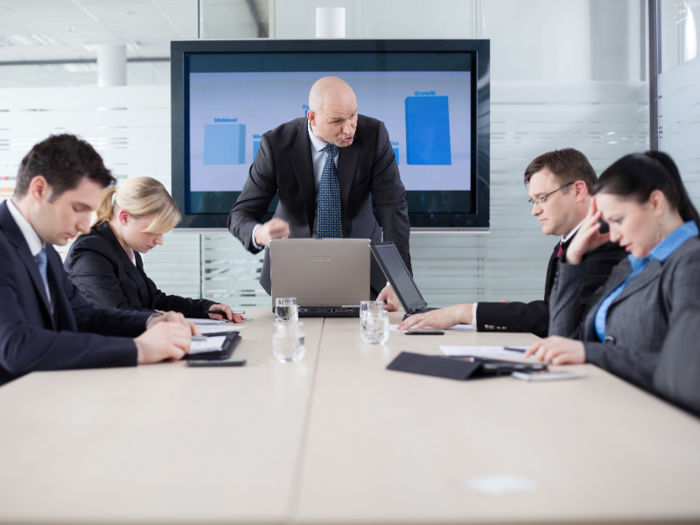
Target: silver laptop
328,277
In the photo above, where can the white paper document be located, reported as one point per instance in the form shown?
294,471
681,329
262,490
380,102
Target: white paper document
482,351
204,322
455,328
222,328
212,344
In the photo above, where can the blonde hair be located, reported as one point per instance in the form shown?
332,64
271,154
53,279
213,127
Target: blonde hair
141,197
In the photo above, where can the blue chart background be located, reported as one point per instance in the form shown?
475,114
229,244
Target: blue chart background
224,143
432,147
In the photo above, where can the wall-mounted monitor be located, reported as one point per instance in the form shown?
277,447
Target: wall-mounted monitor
432,95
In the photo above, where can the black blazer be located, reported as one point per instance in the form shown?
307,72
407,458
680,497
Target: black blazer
31,338
100,268
534,316
283,167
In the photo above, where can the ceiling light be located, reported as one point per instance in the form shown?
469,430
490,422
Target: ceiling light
44,40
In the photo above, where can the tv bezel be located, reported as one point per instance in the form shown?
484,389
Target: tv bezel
478,219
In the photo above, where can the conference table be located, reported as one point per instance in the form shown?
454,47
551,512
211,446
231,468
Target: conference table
338,438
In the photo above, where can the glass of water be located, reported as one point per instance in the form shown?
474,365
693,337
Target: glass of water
375,327
288,341
286,310
367,306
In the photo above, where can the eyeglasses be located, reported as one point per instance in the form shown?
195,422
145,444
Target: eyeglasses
541,200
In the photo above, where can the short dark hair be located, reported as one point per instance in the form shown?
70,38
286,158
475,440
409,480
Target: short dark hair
63,160
637,175
569,165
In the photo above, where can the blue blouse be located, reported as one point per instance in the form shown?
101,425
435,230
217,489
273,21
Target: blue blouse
661,252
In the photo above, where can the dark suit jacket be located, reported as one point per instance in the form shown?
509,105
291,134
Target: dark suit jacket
31,338
100,268
677,376
283,166
638,319
534,316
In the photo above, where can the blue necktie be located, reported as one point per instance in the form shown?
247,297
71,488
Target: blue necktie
328,213
40,259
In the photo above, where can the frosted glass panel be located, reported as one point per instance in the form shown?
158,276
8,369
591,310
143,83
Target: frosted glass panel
679,121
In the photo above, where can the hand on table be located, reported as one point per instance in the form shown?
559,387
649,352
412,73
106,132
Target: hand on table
230,316
172,317
272,229
558,351
163,340
442,318
388,295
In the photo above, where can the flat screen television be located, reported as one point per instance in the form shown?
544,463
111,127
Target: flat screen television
432,95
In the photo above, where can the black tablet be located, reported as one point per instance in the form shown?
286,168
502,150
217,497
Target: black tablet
217,346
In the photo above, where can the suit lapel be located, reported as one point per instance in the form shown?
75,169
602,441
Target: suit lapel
16,238
144,290
618,275
123,260
347,163
650,273
304,171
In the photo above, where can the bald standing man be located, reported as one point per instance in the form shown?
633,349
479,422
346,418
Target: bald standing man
325,168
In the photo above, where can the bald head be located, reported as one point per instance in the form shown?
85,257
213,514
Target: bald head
333,111
329,91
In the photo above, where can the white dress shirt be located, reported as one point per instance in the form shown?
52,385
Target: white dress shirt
318,160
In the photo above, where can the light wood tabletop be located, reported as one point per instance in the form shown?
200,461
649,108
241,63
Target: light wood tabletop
337,438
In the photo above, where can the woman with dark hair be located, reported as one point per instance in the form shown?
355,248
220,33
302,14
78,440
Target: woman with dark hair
642,198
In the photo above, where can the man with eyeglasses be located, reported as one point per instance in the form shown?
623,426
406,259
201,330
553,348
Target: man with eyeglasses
559,184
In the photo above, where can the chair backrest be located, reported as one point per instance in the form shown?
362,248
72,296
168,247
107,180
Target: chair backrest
677,376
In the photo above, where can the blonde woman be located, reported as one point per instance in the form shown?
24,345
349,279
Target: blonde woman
106,266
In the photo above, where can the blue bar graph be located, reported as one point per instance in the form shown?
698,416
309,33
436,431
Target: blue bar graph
428,131
256,147
224,143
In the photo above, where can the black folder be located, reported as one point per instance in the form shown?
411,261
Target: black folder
460,369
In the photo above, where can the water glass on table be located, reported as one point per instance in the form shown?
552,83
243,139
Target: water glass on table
374,326
288,341
286,310
367,306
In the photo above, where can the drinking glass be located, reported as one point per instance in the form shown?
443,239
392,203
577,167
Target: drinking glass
375,327
366,306
288,341
286,310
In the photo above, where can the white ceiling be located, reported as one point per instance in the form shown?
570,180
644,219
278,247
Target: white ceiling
66,29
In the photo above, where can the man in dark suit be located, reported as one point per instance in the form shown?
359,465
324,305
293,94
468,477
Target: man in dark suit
45,324
324,168
559,184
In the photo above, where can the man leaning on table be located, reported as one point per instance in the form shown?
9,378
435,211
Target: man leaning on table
45,324
559,183
324,168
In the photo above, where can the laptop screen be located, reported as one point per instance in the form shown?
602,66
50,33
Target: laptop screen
396,272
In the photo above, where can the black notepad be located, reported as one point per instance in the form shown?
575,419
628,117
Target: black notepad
460,369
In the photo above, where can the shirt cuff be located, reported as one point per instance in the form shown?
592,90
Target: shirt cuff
474,305
253,238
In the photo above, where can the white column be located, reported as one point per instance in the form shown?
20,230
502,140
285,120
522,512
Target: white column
111,65
330,22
